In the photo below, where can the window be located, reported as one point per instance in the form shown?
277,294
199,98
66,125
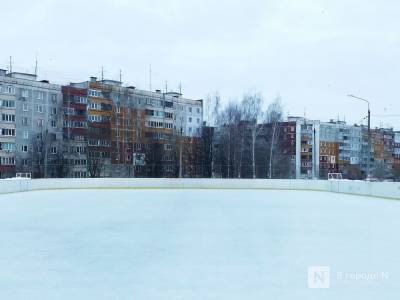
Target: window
82,100
24,162
198,120
78,174
54,111
54,98
95,93
8,118
10,90
198,110
80,162
95,118
80,149
8,103
26,135
39,108
53,150
69,111
7,132
190,120
7,161
53,123
40,123
24,148
118,109
94,105
40,95
25,107
7,146
190,109
24,93
25,121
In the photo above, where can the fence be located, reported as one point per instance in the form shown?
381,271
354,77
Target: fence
377,189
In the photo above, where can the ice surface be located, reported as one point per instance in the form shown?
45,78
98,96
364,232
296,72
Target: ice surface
194,244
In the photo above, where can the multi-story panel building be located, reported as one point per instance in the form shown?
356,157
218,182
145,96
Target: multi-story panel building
307,147
133,132
396,148
35,124
329,149
7,127
383,148
75,132
340,149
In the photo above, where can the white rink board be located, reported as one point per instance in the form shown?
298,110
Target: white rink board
376,189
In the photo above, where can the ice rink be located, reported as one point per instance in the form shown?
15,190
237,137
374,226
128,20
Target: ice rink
196,244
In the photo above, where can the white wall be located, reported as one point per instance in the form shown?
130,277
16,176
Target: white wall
377,189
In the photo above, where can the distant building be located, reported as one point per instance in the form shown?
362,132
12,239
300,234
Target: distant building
132,132
31,123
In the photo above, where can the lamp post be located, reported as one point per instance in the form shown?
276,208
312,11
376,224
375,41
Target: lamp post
369,133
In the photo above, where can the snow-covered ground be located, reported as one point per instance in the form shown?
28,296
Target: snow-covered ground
195,244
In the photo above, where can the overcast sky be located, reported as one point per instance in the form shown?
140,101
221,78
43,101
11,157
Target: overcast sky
312,53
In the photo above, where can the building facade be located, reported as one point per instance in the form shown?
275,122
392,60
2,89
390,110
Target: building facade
32,120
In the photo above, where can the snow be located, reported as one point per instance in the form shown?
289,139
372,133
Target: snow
194,244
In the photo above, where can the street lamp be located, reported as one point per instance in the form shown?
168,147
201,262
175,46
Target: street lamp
369,133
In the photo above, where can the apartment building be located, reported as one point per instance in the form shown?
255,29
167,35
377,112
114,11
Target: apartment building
7,127
75,128
131,132
396,147
31,125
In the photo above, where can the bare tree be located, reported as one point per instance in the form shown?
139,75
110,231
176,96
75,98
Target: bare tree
213,105
274,116
252,113
96,164
228,122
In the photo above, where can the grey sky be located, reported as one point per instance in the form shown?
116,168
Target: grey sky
312,53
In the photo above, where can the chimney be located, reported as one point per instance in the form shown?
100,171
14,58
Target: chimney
93,79
3,72
158,91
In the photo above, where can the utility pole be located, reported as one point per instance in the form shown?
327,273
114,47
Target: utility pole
369,134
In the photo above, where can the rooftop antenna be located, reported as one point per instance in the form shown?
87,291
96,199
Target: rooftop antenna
120,76
180,87
36,67
10,64
102,74
166,86
150,78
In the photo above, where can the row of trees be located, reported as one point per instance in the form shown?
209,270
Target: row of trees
246,142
